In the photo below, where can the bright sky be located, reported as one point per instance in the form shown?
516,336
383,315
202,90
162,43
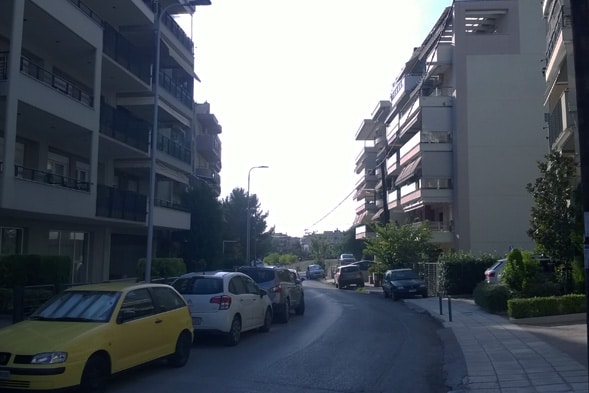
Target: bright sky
290,82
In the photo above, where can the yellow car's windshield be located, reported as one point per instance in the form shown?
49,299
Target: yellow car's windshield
79,306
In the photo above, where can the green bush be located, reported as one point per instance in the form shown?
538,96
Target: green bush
491,297
162,268
34,270
540,288
461,272
545,306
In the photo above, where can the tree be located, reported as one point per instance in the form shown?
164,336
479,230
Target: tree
202,245
235,226
553,214
399,246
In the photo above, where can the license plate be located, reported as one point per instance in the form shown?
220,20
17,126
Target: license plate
196,320
4,374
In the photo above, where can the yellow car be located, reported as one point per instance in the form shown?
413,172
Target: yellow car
87,333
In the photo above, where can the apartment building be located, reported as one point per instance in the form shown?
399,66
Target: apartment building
462,131
559,71
76,114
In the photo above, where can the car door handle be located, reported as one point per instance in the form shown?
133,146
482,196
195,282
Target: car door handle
158,321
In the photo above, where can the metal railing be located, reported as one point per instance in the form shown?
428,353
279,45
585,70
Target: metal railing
126,54
173,149
87,11
179,92
123,126
3,65
116,203
50,178
59,83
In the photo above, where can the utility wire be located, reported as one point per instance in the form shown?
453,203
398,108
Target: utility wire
332,210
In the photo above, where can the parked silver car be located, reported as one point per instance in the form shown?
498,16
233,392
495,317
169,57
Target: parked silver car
494,274
283,286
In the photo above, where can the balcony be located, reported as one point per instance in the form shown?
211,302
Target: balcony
209,146
126,54
87,11
404,85
50,178
3,65
366,159
173,149
120,204
441,231
175,88
121,125
561,125
369,130
59,83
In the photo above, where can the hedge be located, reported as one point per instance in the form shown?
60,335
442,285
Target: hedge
545,306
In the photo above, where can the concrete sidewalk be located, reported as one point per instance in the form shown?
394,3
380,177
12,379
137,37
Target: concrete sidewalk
505,357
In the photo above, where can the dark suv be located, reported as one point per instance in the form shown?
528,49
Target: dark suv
283,286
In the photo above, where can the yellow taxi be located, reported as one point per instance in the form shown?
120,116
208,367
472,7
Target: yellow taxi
87,333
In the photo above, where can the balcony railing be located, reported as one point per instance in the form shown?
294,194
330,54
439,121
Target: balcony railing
174,27
125,53
3,65
556,29
87,11
122,126
59,83
50,178
116,203
173,149
179,92
171,205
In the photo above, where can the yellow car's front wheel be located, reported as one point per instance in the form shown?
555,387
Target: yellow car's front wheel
96,374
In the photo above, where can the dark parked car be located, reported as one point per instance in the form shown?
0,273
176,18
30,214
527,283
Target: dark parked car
282,285
398,283
348,275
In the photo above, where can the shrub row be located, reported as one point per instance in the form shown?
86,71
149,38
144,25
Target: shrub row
34,270
491,297
544,306
461,272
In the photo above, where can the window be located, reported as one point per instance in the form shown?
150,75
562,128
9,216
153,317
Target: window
167,299
57,164
11,241
250,286
74,245
237,286
139,302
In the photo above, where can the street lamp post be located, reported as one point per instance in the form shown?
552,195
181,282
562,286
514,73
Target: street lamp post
247,230
154,128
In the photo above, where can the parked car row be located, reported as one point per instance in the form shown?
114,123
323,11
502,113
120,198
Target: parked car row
229,303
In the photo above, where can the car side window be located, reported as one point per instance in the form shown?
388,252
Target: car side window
167,299
283,275
250,286
237,286
138,303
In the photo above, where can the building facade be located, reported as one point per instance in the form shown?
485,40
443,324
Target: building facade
462,132
76,114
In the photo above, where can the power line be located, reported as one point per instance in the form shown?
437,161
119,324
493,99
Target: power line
332,210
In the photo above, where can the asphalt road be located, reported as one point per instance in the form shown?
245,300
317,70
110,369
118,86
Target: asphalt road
346,342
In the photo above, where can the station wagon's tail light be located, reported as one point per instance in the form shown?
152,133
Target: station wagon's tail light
276,289
490,274
224,302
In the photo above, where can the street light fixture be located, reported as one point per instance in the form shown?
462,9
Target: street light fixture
247,231
154,129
